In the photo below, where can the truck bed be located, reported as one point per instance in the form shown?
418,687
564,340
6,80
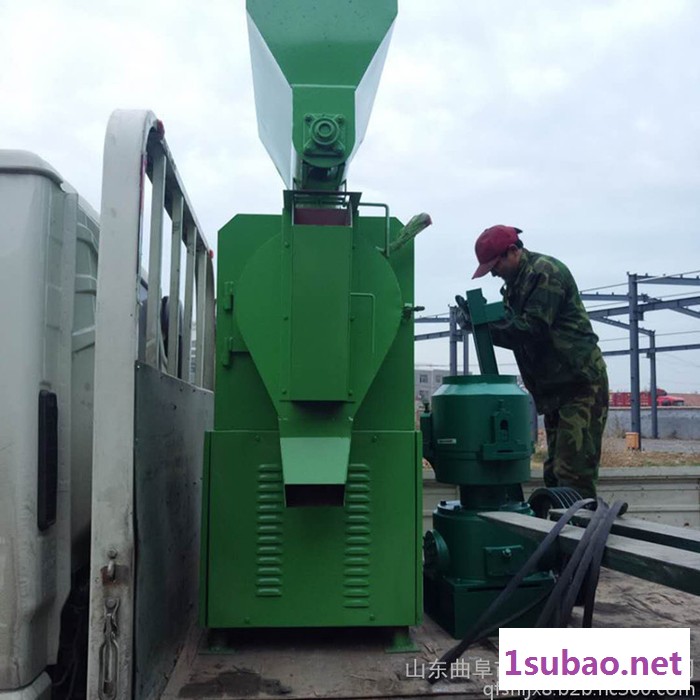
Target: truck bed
323,663
342,663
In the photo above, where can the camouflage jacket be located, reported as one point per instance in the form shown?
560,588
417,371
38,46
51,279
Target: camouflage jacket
548,329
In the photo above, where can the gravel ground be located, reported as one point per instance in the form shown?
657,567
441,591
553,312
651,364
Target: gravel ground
654,453
649,445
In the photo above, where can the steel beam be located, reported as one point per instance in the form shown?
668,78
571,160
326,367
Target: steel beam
670,279
663,348
454,334
634,318
687,312
432,336
652,381
658,305
597,296
623,325
658,563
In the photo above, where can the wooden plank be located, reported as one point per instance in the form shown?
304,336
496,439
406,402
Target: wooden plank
668,566
635,528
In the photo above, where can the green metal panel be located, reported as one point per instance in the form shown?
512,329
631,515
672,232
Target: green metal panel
272,290
457,606
390,383
261,289
241,399
418,514
323,43
255,426
318,360
320,566
481,431
475,545
302,455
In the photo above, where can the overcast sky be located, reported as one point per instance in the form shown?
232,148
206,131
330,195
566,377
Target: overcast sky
577,121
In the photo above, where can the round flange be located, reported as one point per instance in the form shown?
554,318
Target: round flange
435,552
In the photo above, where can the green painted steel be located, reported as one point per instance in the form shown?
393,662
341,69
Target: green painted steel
319,364
316,68
275,566
481,315
478,436
456,606
339,430
369,303
481,431
312,484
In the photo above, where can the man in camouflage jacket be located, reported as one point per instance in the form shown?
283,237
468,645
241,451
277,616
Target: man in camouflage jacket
548,330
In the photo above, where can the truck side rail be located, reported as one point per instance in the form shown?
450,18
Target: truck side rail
135,148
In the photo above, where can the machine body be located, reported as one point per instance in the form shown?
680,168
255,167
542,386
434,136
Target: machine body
478,436
312,499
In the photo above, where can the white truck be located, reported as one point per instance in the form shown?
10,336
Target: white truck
102,418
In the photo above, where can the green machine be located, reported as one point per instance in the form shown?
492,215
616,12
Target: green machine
478,436
312,481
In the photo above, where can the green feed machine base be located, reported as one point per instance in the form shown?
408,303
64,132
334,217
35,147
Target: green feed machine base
312,484
313,493
478,436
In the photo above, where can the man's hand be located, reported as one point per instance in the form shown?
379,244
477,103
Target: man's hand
463,317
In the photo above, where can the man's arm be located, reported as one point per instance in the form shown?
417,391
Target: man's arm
544,295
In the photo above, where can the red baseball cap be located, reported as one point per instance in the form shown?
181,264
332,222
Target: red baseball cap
491,244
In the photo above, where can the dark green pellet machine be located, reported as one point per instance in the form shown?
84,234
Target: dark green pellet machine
479,436
312,483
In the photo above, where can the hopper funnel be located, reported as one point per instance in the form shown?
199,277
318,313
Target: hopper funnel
316,68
